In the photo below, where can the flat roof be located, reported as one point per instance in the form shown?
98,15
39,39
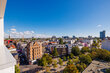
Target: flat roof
97,66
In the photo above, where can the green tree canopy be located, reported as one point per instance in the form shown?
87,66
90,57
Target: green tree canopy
75,51
71,68
69,62
55,52
17,70
46,59
81,67
85,49
71,55
60,62
60,41
64,58
68,57
54,63
85,59
76,60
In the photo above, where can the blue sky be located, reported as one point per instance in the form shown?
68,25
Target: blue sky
58,17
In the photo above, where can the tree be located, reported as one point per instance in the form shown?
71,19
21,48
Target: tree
33,39
49,60
107,71
60,62
81,67
76,60
85,59
44,62
95,44
60,41
71,68
103,54
48,69
68,57
93,55
17,70
71,55
54,63
46,59
93,49
69,62
85,49
64,58
76,51
55,53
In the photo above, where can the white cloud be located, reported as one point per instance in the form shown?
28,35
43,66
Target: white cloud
6,35
13,29
26,34
99,25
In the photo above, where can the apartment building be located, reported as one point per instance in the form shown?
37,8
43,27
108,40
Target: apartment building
102,35
62,49
33,51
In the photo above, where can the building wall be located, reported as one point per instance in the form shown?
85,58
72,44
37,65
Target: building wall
88,41
106,44
1,31
8,70
102,35
34,51
69,41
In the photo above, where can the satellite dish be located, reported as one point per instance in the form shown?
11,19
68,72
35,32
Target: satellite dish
2,7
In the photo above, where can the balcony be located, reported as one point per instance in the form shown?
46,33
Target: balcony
7,62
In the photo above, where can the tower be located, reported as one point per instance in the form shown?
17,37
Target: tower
7,62
102,35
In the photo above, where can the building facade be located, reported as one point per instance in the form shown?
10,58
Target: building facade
102,35
61,49
70,41
33,51
106,45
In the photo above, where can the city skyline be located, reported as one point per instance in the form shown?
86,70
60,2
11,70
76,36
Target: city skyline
60,18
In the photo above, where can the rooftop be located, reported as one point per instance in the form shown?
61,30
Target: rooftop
97,67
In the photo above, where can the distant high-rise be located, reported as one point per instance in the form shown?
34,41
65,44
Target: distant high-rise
74,37
102,34
65,37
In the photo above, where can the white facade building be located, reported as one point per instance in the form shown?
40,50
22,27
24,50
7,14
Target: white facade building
70,46
88,41
7,61
106,45
70,41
